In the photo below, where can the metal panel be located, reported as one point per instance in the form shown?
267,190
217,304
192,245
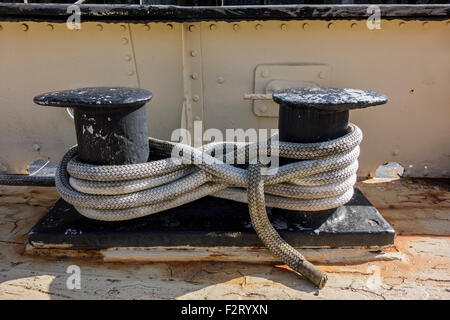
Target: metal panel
406,60
269,78
158,54
41,57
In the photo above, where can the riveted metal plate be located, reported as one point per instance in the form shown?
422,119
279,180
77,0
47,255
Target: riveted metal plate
269,78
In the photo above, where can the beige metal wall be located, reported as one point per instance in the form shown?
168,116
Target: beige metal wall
200,71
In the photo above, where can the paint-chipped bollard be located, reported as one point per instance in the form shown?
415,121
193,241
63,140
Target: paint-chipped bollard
314,114
110,122
319,114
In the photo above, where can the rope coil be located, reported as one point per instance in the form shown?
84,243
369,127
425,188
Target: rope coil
323,178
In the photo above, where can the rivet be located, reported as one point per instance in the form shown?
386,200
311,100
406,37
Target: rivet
262,108
213,27
36,147
195,98
127,57
50,27
258,27
321,75
194,76
124,41
401,24
283,27
147,27
24,27
305,26
425,24
265,73
99,27
331,26
220,80
170,26
236,27
354,25
193,53
192,28
123,27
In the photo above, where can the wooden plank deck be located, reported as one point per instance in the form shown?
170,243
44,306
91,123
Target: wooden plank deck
418,267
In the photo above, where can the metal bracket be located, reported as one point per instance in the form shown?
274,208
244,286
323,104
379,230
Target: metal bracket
271,77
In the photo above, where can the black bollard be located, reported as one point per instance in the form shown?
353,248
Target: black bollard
111,129
318,114
110,122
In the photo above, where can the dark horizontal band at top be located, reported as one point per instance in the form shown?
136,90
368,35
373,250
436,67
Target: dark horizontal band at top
163,13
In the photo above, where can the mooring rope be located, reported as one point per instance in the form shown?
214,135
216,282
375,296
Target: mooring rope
322,178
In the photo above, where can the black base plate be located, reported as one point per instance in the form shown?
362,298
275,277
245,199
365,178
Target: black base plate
210,222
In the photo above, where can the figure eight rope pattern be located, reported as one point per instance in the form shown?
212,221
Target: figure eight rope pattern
323,178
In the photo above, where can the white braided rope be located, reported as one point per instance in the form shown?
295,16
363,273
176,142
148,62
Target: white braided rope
322,179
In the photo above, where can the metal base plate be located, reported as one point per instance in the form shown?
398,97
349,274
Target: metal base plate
211,222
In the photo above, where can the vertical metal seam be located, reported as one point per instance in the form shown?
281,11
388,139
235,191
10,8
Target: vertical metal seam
187,88
202,86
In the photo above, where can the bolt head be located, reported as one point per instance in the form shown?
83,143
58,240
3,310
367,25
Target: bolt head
194,76
283,27
195,98
36,147
147,27
322,75
24,27
331,26
305,26
220,80
236,27
262,108
99,27
258,27
213,27
192,28
193,53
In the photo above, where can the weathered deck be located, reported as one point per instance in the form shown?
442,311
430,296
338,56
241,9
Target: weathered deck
418,266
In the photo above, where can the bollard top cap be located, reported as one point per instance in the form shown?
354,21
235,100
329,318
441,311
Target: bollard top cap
95,97
329,99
